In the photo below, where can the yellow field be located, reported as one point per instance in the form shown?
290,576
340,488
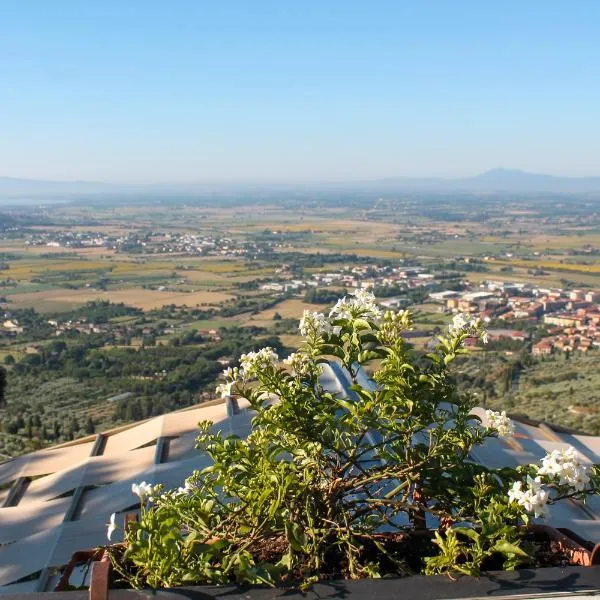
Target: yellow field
56,300
550,265
288,309
24,269
564,242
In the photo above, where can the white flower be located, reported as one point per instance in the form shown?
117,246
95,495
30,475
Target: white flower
187,488
500,422
533,499
112,526
144,491
361,304
460,322
515,493
253,363
233,375
224,389
463,324
314,324
565,465
299,362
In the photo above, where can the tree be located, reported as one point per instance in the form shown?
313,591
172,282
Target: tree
89,426
9,359
2,387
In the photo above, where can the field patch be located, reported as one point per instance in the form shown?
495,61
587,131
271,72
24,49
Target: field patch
64,300
288,309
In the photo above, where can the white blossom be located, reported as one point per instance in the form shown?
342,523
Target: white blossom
224,389
361,304
144,491
254,363
314,324
566,466
187,488
299,363
462,323
233,373
534,498
112,526
500,422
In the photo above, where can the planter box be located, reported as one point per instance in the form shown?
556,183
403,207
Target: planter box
540,583
575,578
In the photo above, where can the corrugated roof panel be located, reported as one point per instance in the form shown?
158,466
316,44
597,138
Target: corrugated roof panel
134,437
27,555
19,521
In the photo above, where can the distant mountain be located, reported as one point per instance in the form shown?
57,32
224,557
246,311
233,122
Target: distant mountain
507,179
495,180
498,180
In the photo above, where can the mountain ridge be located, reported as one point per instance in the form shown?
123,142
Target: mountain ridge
494,180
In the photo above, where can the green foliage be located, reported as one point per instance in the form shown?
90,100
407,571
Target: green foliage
322,474
2,386
76,374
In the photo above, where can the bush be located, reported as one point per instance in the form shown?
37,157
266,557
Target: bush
323,478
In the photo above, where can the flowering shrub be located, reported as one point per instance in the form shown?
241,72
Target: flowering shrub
324,480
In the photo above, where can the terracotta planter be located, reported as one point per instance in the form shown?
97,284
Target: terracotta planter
580,551
99,561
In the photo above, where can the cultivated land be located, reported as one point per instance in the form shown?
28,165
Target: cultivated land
152,298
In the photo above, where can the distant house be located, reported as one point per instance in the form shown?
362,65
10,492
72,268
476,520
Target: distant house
512,334
11,325
543,348
564,319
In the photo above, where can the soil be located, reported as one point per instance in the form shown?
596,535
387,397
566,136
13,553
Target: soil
395,554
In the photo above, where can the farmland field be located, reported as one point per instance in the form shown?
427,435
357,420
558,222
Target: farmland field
155,298
57,300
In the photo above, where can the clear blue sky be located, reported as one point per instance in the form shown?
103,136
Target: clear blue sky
182,91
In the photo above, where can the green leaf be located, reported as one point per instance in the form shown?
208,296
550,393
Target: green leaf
506,547
467,531
296,536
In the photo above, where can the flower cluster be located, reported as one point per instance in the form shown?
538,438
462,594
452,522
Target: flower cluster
565,466
361,304
533,498
562,467
254,363
500,422
232,375
314,324
299,363
145,491
463,324
392,326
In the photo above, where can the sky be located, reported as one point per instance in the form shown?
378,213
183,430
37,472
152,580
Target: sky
182,91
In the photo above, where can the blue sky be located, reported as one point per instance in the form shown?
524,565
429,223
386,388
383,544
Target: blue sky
185,91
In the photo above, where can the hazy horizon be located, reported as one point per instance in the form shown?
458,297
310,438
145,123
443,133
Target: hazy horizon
190,92
290,181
